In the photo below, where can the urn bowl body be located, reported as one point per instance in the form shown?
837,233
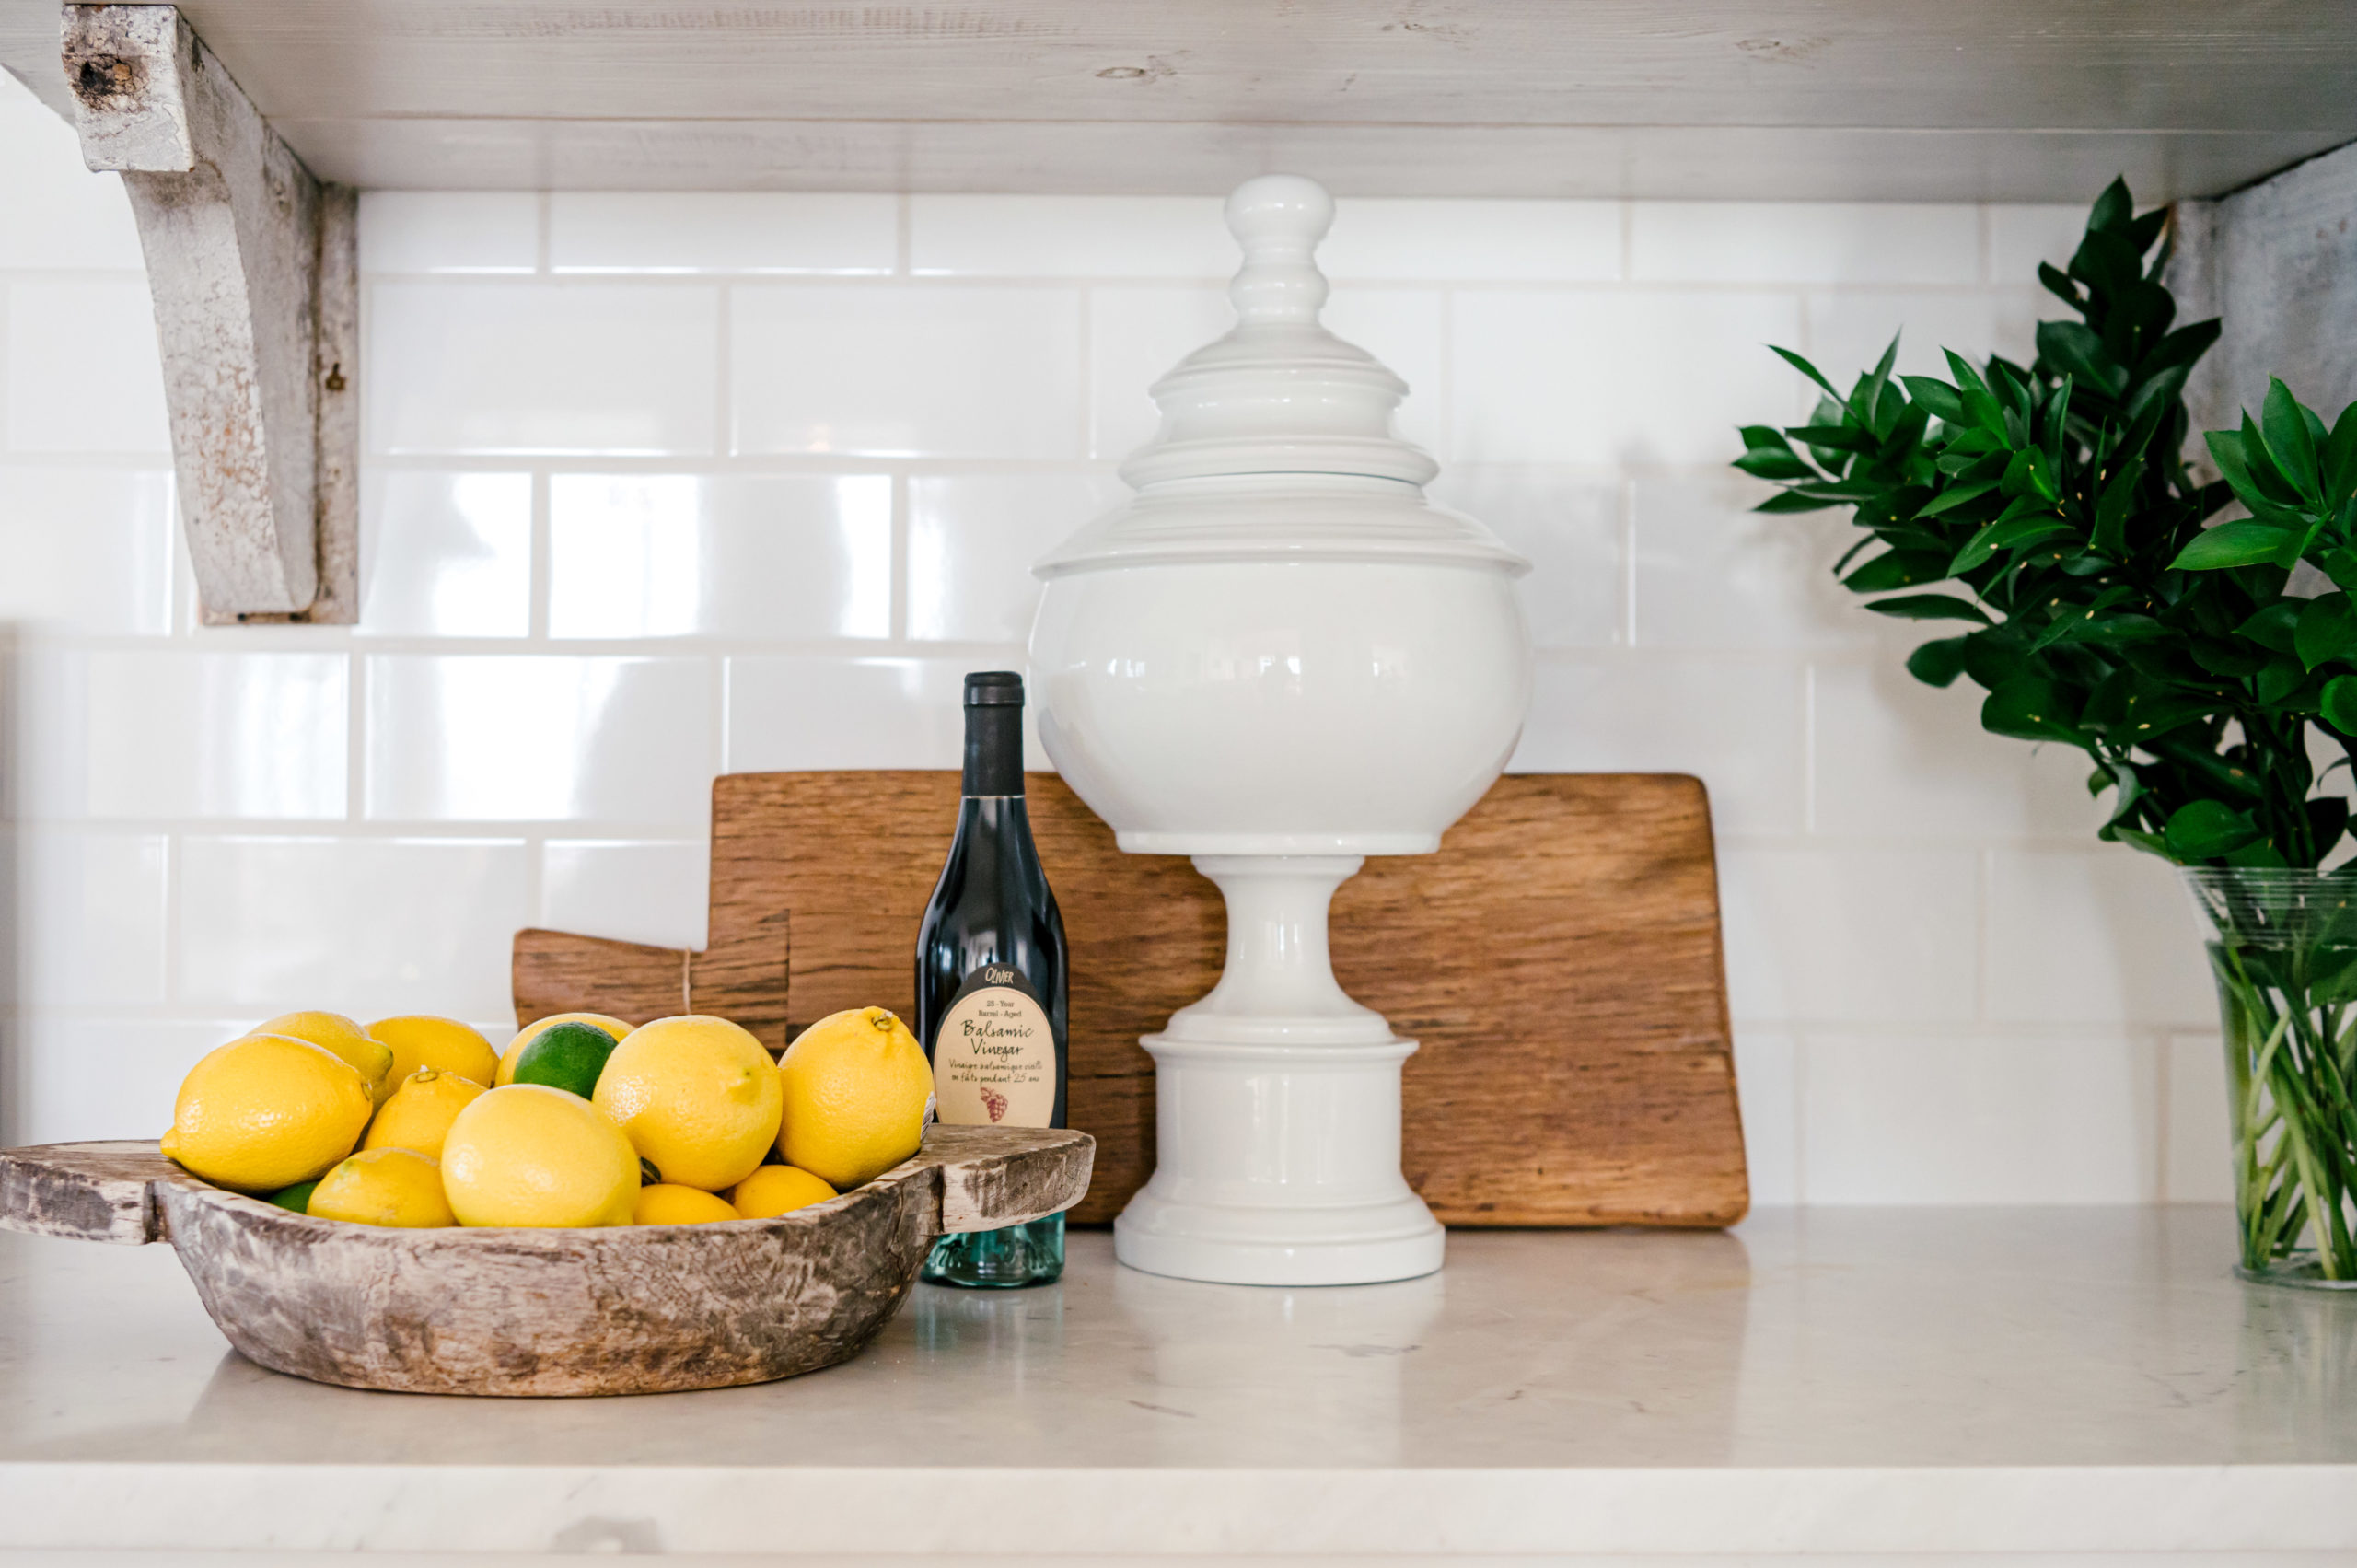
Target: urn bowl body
1280,706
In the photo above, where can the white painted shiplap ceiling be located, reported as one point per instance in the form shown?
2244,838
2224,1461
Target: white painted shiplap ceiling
2002,99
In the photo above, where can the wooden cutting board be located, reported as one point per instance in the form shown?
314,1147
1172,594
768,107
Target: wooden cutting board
1559,961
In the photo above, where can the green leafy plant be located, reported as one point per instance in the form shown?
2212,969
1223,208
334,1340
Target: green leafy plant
2107,614
2111,605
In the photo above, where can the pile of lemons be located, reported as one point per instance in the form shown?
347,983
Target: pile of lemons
582,1121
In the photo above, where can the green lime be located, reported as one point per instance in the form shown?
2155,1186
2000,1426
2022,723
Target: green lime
566,1056
297,1197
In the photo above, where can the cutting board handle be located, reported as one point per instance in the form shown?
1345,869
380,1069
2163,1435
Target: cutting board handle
87,1192
990,1176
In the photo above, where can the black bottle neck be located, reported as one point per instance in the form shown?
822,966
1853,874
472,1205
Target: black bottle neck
994,751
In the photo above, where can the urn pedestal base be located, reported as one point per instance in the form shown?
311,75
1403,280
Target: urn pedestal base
1277,1115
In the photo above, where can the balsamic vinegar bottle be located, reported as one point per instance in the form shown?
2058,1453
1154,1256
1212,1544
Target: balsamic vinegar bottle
990,1002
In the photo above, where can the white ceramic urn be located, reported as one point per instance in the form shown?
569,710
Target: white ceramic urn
1279,657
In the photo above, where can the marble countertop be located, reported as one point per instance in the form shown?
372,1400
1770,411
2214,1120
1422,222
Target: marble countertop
1828,1380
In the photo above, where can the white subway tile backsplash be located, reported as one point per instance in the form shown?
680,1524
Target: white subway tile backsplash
1769,242
1850,330
1767,1069
446,555
2198,1164
1711,573
1069,237
91,908
2022,235
1851,936
104,1078
1736,727
83,374
1893,758
794,712
174,733
367,927
87,549
60,216
449,231
1945,989
2100,934
1474,241
771,557
973,538
722,231
1568,525
1617,377
2064,1119
656,893
500,738
536,366
948,371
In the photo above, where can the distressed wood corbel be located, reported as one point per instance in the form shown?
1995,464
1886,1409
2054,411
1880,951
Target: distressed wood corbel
254,271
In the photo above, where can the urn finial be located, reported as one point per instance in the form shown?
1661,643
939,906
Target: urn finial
1278,219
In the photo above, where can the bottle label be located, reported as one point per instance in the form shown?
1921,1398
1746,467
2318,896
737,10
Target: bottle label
994,1058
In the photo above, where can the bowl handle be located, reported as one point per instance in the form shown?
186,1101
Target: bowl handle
993,1177
87,1192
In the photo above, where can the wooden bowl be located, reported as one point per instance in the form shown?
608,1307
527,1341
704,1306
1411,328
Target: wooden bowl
632,1309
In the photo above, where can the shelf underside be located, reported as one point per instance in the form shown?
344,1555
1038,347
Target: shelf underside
1935,99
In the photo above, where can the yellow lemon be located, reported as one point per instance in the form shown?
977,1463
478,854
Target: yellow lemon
856,1086
370,1057
699,1098
420,1110
394,1187
266,1113
528,1155
531,1031
664,1203
419,1041
777,1189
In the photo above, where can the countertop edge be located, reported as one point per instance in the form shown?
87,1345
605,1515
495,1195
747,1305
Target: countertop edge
856,1511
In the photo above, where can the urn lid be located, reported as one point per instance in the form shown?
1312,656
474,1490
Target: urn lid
1277,438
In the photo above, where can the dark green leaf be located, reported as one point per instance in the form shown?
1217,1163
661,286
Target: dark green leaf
2272,627
1896,569
1793,501
1763,462
2111,510
2234,544
2327,630
2204,830
2032,708
2283,676
1968,379
1929,607
1956,495
2328,819
2340,703
2337,461
2289,441
1806,368
2232,660
1936,396
2076,350
2257,856
1937,663
2019,525
1835,437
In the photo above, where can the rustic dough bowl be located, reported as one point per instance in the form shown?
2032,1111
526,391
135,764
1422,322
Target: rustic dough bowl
624,1310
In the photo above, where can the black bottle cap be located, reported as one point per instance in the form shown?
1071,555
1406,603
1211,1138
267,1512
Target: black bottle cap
994,689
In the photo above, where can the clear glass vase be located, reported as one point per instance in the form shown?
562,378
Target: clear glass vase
2283,949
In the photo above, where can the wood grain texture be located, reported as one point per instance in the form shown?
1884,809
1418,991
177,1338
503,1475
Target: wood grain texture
1559,961
1856,100
623,1310
85,1191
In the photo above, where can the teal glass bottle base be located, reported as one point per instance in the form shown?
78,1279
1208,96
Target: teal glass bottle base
1029,1254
